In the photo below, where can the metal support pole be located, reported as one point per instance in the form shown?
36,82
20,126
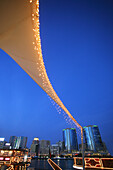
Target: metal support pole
82,148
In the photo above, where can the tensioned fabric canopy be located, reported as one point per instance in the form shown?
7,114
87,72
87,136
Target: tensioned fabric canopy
20,38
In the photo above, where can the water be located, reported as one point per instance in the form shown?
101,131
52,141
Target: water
42,164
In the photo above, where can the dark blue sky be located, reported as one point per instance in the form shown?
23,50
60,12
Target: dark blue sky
77,40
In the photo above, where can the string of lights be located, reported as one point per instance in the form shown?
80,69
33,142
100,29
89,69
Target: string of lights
45,83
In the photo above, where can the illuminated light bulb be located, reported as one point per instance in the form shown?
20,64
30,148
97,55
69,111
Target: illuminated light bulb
32,18
35,48
32,14
33,42
30,1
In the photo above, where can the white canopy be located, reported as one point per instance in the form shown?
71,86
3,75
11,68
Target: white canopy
20,38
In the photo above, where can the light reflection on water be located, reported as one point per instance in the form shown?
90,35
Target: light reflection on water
42,164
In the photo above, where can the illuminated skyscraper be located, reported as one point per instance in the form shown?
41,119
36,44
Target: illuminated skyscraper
70,140
20,142
35,147
93,139
12,141
23,142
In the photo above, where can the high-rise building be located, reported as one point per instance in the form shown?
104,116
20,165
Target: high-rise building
17,143
105,148
55,149
93,139
44,147
35,147
20,142
70,140
2,142
12,141
61,146
36,141
23,142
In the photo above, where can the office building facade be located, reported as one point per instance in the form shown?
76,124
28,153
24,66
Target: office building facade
70,140
93,138
2,142
44,147
55,149
61,146
12,141
34,147
20,142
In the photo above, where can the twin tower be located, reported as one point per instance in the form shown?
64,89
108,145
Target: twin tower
92,139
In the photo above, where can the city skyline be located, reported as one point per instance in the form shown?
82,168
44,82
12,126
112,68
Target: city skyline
69,143
77,36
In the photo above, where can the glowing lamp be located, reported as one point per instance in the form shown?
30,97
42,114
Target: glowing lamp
1,158
7,159
36,138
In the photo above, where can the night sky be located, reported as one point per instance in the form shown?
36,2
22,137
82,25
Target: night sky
77,46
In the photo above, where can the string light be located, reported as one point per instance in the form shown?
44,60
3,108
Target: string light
46,85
